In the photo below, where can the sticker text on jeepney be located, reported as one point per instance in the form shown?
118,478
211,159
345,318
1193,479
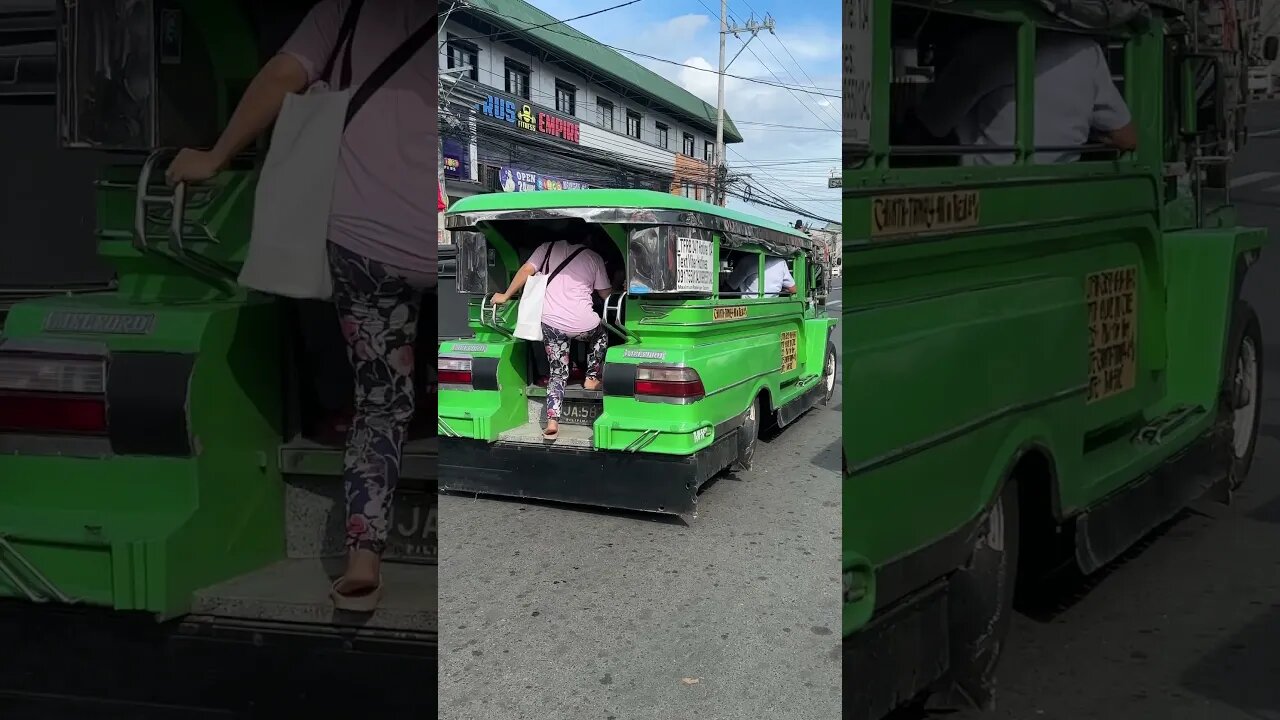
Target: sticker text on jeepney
788,351
924,212
693,265
1112,297
736,312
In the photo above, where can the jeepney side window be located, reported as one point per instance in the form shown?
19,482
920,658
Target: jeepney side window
1104,109
474,261
737,269
671,260
952,77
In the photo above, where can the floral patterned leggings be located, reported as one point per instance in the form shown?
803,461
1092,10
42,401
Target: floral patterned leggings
378,308
557,342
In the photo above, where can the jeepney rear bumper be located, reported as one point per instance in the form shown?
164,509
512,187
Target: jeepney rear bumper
647,482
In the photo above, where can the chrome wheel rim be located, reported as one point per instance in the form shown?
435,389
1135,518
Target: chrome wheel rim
1246,386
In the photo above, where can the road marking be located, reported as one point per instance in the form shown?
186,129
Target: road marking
1265,133
1252,178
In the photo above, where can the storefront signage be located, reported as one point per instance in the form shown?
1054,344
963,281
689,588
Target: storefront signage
457,159
525,117
516,180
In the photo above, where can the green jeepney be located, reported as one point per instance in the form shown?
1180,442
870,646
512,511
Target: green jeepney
154,457
694,370
1045,360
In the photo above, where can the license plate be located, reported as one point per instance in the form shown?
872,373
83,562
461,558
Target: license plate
580,412
413,534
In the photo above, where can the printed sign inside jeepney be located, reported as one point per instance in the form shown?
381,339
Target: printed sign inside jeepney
1112,297
788,351
721,314
924,212
695,270
857,71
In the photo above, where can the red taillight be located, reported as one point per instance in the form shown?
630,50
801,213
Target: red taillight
42,413
454,371
681,384
45,394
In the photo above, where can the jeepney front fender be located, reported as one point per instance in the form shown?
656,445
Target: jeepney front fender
1205,270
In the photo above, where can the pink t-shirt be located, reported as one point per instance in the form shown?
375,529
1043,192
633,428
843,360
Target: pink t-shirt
386,169
567,305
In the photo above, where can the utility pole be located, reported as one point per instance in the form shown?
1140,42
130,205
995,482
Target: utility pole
754,29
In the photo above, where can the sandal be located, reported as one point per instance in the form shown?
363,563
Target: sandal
364,600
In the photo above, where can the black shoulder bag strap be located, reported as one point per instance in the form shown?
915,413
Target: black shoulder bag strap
346,38
389,67
564,264
546,257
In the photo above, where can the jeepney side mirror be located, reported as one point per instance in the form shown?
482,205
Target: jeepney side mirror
1203,99
1270,48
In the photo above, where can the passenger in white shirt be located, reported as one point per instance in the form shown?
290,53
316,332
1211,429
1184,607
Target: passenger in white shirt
777,276
974,97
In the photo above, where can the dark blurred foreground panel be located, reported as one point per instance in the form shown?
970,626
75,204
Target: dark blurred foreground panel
88,664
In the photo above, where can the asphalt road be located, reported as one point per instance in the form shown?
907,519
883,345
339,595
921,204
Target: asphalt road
551,611
1186,627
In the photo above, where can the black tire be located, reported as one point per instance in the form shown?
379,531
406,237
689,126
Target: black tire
981,600
1244,349
749,436
829,370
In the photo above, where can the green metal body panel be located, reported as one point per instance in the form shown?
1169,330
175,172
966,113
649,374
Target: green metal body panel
139,532
968,347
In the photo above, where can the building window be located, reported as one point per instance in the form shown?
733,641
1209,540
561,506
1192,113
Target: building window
566,98
517,79
633,124
709,152
663,133
688,190
688,145
605,110
463,54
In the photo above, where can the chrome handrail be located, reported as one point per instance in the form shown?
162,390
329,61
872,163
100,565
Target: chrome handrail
616,324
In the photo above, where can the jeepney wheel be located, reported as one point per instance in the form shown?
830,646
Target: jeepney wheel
829,373
1243,389
981,600
748,435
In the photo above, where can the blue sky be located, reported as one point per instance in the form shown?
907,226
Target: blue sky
804,54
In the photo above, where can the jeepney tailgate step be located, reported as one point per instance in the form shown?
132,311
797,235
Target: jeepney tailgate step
578,436
297,591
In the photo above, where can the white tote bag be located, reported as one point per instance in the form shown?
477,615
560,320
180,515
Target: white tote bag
529,312
288,247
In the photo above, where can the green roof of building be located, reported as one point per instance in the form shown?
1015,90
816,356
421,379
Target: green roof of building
521,16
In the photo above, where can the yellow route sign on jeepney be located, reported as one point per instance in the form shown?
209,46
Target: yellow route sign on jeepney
924,212
1112,297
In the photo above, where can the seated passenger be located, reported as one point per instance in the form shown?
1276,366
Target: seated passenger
777,276
974,97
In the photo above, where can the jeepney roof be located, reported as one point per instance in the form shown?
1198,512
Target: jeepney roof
627,207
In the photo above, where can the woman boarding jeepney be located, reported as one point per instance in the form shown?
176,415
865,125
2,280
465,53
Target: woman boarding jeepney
567,314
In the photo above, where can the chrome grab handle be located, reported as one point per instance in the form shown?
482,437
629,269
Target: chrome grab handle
491,321
612,319
176,202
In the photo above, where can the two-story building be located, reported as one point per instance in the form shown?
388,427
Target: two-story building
527,104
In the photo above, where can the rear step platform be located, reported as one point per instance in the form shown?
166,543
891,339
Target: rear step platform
577,436
296,591
307,457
